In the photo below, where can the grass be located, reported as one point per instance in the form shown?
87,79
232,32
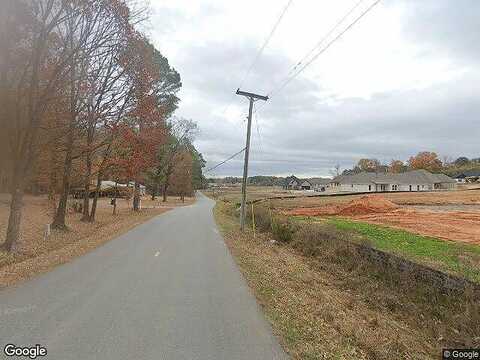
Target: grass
449,256
326,302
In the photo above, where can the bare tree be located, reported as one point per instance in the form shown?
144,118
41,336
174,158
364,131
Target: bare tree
32,67
182,133
93,33
336,171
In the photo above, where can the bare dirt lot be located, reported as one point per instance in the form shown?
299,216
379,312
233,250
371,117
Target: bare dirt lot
38,254
453,215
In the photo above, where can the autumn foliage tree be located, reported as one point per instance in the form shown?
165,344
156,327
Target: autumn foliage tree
83,94
425,160
397,166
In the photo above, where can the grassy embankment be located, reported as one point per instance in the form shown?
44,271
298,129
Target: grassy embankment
449,256
326,302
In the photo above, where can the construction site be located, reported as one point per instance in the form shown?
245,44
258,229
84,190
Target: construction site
450,215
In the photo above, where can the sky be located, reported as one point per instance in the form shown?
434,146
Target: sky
404,79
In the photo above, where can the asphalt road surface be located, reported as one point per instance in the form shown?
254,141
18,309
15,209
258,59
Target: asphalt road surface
168,289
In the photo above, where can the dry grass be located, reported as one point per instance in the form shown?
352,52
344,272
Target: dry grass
39,255
460,197
326,308
233,193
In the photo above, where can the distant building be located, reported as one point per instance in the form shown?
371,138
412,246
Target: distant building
292,183
416,180
467,176
108,188
316,184
319,184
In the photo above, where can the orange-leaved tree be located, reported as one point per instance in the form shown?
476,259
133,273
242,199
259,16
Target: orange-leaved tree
425,160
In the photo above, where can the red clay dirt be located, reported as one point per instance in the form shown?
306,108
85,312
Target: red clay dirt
454,225
369,204
450,225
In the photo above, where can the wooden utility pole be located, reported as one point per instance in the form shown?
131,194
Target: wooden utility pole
252,97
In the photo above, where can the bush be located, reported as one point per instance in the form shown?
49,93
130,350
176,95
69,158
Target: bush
263,220
231,209
283,230
329,243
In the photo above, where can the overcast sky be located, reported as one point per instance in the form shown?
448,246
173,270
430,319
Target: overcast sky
406,78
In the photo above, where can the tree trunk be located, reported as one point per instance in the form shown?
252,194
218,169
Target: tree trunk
59,219
86,195
165,188
154,192
88,169
11,243
136,196
91,217
115,199
86,203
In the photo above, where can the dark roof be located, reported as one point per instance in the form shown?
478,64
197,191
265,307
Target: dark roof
311,181
288,179
467,173
319,181
409,177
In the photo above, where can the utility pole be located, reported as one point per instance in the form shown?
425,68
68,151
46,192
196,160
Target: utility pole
252,97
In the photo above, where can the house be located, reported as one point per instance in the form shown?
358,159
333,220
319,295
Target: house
315,184
294,183
416,180
319,184
108,188
468,176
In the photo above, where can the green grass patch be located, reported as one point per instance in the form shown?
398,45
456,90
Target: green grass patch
456,258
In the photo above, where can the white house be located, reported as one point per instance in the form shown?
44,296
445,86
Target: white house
416,180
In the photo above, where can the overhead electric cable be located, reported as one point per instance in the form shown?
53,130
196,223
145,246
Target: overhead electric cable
265,43
325,37
260,51
224,161
325,48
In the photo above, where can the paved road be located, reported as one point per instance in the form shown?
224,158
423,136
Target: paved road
167,289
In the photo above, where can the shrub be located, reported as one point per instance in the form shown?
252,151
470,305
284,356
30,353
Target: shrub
231,209
263,219
283,230
325,241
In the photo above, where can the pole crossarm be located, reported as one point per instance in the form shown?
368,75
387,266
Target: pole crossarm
252,95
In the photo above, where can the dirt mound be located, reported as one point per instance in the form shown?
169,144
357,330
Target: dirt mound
367,205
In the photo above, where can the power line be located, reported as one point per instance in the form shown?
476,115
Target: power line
224,161
325,48
265,43
260,51
325,37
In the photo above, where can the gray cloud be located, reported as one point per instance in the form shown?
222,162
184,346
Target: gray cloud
446,26
306,131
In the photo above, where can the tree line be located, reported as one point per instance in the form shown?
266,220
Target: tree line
85,97
426,160
423,160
